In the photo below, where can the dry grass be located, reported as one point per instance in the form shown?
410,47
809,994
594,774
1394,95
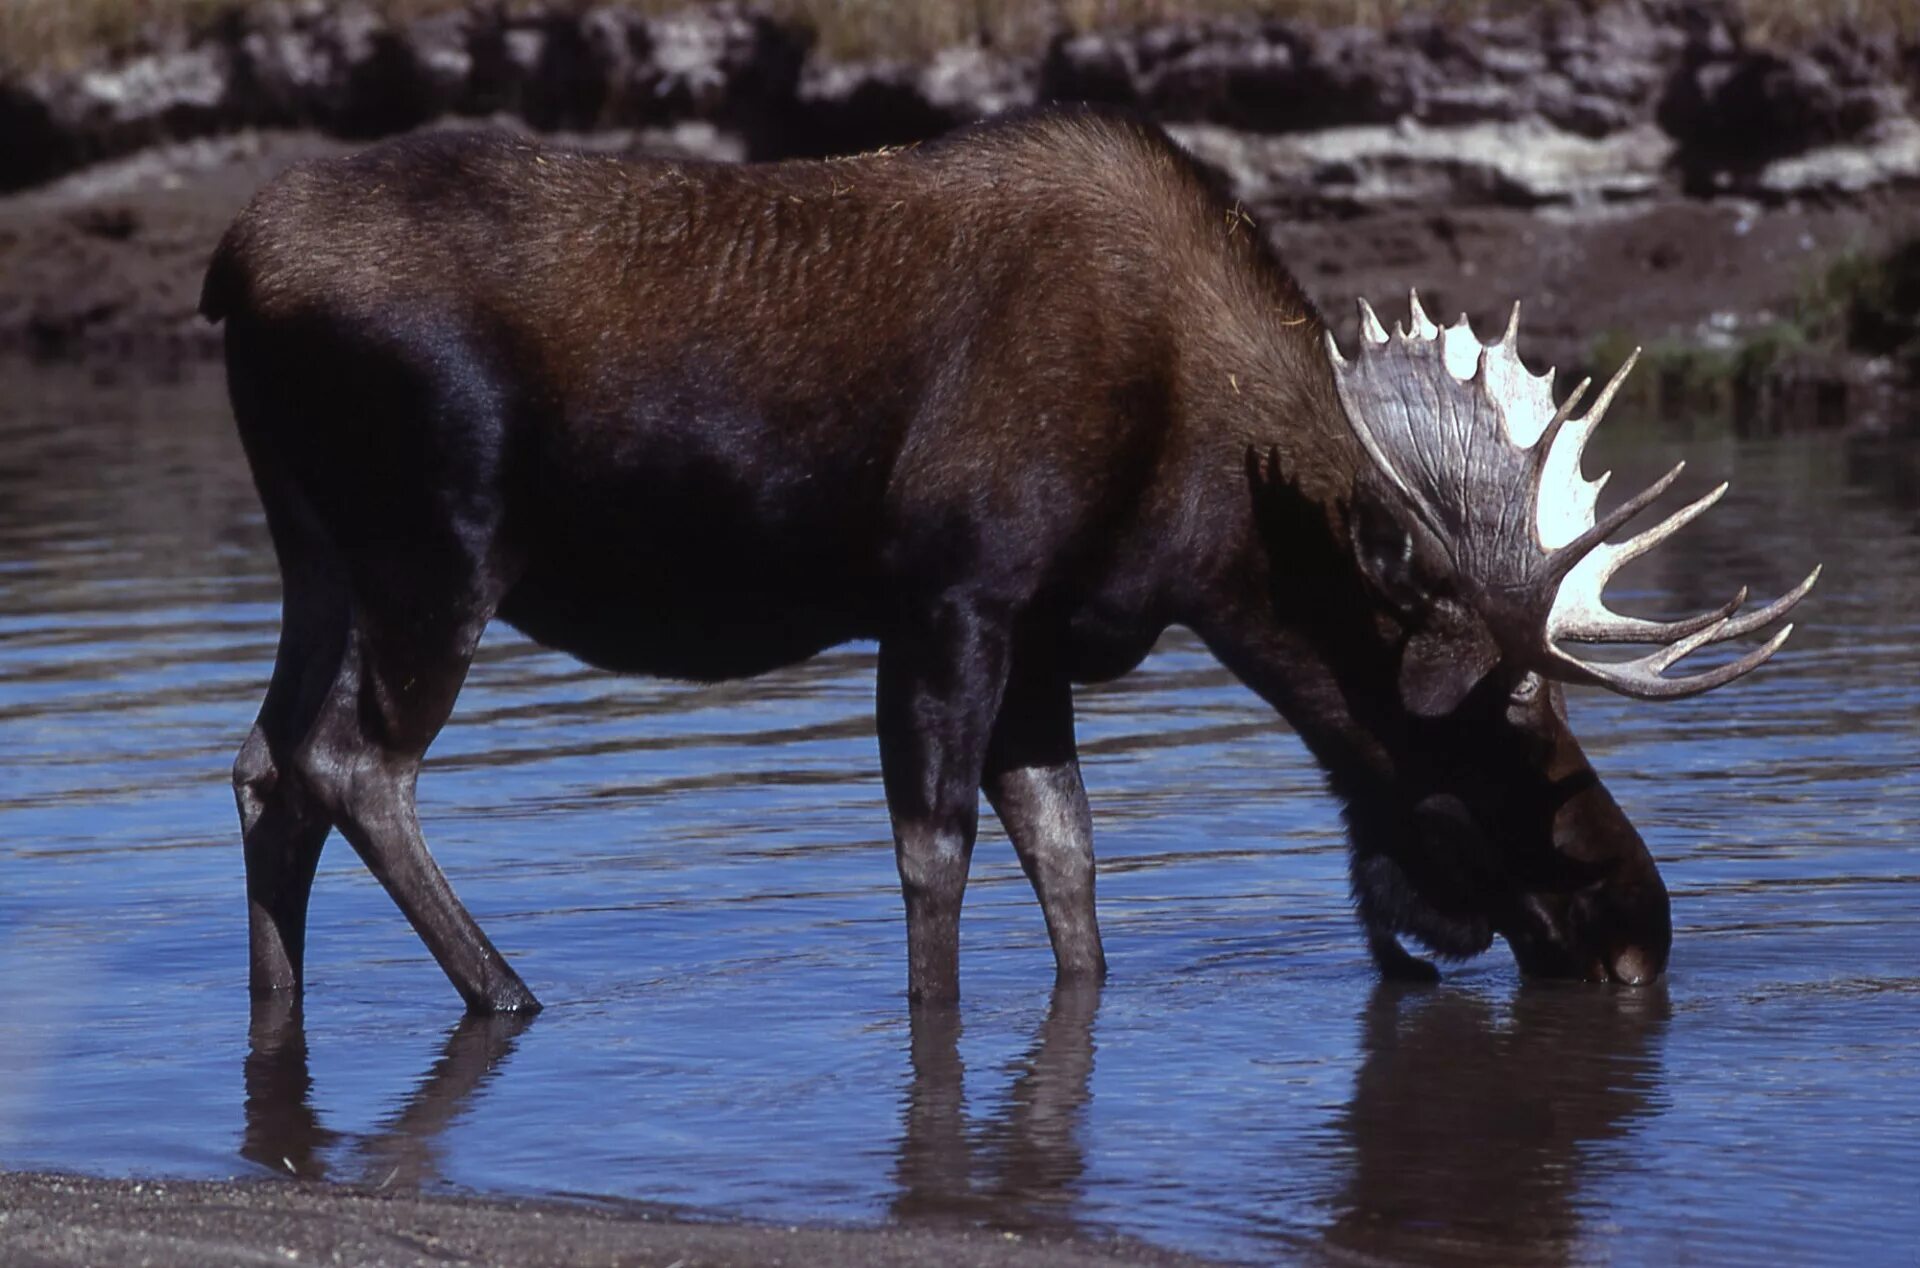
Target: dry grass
61,33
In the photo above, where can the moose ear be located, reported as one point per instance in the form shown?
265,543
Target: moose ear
1445,659
1385,549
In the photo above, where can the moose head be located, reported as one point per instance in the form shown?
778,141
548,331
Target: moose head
1473,555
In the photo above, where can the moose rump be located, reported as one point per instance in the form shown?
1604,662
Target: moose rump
689,420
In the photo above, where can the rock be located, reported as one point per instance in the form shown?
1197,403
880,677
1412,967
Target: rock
1339,170
720,65
556,71
1570,77
1888,157
1275,77
38,146
1734,109
848,107
374,85
1096,67
968,82
345,70
53,123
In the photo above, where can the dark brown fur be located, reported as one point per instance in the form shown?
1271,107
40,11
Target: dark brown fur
989,402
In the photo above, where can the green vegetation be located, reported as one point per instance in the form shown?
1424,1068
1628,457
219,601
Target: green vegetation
1673,375
57,33
1863,303
1874,304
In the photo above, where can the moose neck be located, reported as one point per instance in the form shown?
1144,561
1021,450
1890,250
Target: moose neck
1278,602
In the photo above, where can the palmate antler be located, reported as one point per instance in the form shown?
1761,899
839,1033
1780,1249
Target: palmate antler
1492,467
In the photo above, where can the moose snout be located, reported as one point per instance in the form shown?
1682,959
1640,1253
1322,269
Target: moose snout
1629,925
1635,966
1615,931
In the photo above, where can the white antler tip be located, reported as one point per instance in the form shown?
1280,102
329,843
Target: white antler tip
1370,328
1423,325
1333,348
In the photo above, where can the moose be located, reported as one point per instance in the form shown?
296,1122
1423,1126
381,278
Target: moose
1009,404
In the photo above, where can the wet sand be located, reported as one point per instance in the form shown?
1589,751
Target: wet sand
48,1220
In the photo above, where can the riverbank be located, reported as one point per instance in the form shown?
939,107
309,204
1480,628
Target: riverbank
55,1221
1638,172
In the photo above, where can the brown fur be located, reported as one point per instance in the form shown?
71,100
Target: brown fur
988,401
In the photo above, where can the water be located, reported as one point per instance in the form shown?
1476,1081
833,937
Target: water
698,883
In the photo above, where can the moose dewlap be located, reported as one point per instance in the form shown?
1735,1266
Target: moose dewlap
1011,405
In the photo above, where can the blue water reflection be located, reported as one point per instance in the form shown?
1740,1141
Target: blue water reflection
698,882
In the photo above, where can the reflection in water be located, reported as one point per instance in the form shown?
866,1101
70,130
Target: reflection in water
1020,1168
284,1133
1472,1123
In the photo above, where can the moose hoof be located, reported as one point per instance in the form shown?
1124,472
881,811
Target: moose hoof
1396,965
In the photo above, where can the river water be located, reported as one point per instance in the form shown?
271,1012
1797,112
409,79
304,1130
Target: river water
698,883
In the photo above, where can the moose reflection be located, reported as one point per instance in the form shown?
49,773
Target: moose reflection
1473,1119
284,1132
1021,1167
1469,1135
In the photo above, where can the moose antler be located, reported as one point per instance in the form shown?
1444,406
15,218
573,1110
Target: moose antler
1491,465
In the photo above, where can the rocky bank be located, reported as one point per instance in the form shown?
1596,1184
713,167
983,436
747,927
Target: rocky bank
1565,102
1641,165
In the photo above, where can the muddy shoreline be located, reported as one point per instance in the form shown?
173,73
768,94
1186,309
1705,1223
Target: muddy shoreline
63,1220
105,267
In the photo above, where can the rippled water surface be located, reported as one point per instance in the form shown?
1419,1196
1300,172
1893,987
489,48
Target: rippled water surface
699,884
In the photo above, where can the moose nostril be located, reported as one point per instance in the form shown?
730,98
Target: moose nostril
1634,966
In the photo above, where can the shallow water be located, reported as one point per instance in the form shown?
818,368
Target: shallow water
698,883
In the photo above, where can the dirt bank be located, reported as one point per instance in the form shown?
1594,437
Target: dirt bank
106,263
1617,99
1637,172
69,1220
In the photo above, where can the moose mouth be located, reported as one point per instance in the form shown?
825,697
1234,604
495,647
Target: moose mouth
1558,938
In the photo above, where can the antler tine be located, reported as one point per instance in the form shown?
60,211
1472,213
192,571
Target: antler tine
1607,626
1580,612
1556,471
1423,325
1644,678
1580,431
1595,622
1640,543
1490,462
1370,328
1766,616
1605,398
1333,349
1579,548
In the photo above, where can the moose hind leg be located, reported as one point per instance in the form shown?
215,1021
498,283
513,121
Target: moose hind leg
281,827
1033,782
282,839
940,683
404,666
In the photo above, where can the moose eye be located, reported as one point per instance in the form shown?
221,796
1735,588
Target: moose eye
1526,689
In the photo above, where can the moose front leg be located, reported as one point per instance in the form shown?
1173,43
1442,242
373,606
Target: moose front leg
940,685
1033,781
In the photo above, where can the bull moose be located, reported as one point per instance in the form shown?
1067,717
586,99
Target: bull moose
1010,404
